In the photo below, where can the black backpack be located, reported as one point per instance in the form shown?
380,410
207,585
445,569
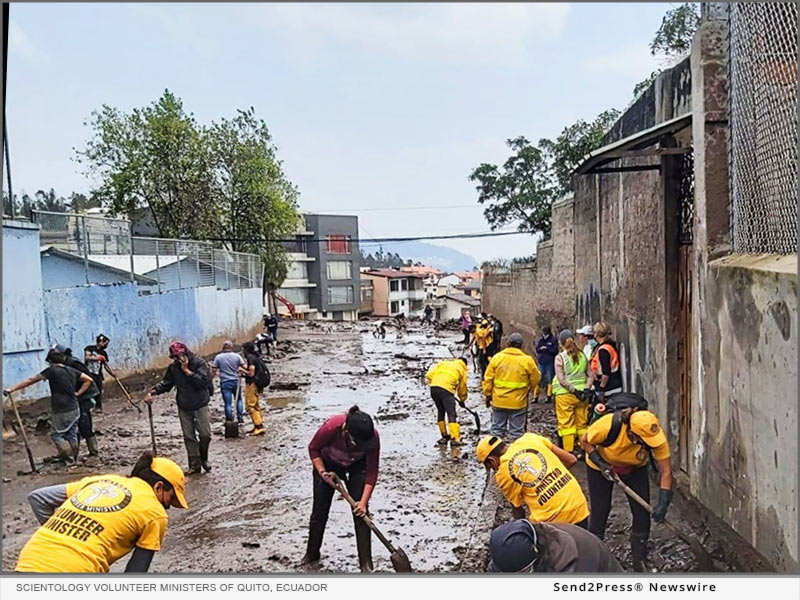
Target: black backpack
262,377
617,404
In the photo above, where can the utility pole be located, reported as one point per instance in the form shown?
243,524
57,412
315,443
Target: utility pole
8,166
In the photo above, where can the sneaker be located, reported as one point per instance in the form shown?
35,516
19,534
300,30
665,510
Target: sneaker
192,471
206,466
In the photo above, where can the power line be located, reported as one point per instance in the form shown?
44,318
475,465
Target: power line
393,208
455,236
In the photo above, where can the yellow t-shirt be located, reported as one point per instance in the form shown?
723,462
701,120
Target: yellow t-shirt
624,451
103,518
532,474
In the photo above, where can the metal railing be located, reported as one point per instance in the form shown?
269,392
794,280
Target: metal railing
763,126
109,253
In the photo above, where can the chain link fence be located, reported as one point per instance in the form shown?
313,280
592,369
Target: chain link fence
763,122
87,249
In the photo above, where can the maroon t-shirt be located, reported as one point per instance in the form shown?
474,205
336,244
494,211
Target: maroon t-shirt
331,444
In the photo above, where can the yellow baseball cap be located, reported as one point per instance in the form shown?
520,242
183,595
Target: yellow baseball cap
485,447
170,471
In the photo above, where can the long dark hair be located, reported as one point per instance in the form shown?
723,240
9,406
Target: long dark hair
143,471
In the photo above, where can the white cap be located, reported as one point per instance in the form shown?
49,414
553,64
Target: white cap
585,330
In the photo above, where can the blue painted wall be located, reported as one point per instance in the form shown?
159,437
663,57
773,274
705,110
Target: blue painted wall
140,326
24,338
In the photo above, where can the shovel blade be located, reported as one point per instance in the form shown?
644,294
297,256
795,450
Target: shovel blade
400,561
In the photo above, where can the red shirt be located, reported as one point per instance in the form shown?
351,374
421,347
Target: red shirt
331,444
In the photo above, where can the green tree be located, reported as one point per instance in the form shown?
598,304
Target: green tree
254,200
573,144
674,36
521,190
152,157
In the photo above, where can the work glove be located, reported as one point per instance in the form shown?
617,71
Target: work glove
587,395
660,511
488,401
606,469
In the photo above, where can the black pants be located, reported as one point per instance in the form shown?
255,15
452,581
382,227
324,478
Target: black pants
354,477
483,361
85,428
600,501
98,400
445,403
466,336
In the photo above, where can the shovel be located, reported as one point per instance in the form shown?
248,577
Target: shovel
24,438
152,430
398,556
475,519
473,413
706,563
127,395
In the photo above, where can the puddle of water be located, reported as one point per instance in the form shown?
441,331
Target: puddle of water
284,401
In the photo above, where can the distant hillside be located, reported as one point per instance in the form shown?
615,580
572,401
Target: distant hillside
432,255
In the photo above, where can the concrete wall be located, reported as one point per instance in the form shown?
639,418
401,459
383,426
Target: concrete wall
380,294
24,339
743,420
323,226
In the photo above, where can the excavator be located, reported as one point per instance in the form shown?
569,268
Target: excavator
286,303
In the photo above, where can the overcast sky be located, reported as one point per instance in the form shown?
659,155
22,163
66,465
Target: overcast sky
376,108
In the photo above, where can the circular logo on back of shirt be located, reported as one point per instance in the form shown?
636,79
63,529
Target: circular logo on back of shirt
102,496
527,467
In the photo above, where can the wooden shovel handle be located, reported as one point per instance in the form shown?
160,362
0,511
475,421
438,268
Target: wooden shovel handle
24,436
339,487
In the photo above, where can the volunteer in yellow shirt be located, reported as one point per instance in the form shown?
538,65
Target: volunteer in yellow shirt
618,445
483,338
509,379
531,471
89,524
448,378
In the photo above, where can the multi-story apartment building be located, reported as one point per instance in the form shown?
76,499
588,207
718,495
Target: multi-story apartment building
297,288
335,266
396,292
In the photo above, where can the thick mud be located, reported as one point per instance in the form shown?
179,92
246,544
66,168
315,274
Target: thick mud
250,514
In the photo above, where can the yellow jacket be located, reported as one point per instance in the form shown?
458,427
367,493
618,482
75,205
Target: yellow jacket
484,336
450,375
510,375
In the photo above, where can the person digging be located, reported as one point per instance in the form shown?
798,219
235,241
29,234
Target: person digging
448,378
347,445
189,374
64,406
89,524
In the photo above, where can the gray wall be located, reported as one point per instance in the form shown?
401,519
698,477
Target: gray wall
323,226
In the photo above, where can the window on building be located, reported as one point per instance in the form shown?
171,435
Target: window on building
394,285
404,284
294,295
337,244
366,293
394,308
340,269
297,270
402,303
340,294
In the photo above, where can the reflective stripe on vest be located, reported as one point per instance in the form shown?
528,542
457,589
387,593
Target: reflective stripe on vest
596,359
575,374
514,385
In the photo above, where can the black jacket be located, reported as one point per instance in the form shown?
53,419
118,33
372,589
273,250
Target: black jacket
192,390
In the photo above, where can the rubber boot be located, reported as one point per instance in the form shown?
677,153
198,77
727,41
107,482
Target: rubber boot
639,552
74,448
364,546
64,452
455,435
568,442
204,444
442,430
258,422
91,444
315,533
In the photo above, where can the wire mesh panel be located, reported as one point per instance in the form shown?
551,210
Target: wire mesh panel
763,111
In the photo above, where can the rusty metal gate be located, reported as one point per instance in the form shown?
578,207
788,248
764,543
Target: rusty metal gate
685,233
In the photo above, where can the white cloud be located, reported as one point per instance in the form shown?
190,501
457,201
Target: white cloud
20,44
630,61
482,33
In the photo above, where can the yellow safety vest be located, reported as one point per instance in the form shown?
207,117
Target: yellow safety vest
575,372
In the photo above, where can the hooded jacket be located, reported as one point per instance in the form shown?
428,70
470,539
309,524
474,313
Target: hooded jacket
192,390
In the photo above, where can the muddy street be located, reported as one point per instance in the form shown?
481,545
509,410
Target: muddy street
250,514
